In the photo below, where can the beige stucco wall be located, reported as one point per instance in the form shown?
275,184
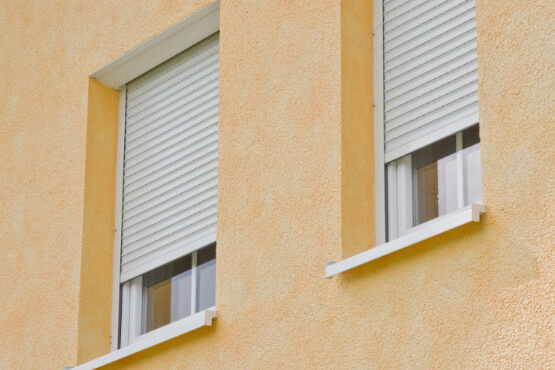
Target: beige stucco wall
97,248
479,296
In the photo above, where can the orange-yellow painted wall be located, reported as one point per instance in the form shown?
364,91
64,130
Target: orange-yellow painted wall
357,135
47,51
480,296
95,294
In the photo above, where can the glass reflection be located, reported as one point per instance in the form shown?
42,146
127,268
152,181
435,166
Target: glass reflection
168,294
168,289
206,278
436,175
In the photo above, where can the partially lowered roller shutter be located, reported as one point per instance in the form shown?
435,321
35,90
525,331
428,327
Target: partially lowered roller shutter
170,160
430,72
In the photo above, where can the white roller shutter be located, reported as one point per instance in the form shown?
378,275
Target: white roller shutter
430,72
170,160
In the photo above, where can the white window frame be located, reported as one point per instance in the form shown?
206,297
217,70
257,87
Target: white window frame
116,75
379,145
401,192
161,47
133,306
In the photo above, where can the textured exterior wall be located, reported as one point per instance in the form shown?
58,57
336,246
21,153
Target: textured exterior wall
357,135
97,256
279,192
480,296
47,51
516,61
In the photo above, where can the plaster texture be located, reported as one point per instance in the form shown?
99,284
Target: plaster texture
47,51
357,135
97,255
295,99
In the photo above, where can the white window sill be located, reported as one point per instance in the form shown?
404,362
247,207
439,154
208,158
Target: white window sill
198,320
422,232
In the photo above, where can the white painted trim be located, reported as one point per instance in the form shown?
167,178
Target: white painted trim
167,327
460,170
379,149
392,202
161,47
405,216
422,232
194,282
135,309
186,325
125,303
117,231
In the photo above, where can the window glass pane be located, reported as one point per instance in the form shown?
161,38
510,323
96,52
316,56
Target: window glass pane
471,158
206,277
472,168
181,290
447,184
167,294
435,174
445,176
427,192
471,136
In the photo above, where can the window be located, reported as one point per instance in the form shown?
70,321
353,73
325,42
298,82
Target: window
182,287
165,211
433,181
426,114
169,158
167,294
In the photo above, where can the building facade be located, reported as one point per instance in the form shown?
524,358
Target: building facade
257,184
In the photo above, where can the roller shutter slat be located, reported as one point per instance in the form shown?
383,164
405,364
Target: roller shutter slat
161,141
192,108
170,226
150,80
409,51
467,107
169,252
168,142
393,9
416,15
390,5
167,209
169,203
428,104
148,162
188,182
463,73
421,121
183,92
452,55
170,172
434,133
395,38
161,185
467,63
153,114
172,126
161,193
430,72
172,84
201,221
